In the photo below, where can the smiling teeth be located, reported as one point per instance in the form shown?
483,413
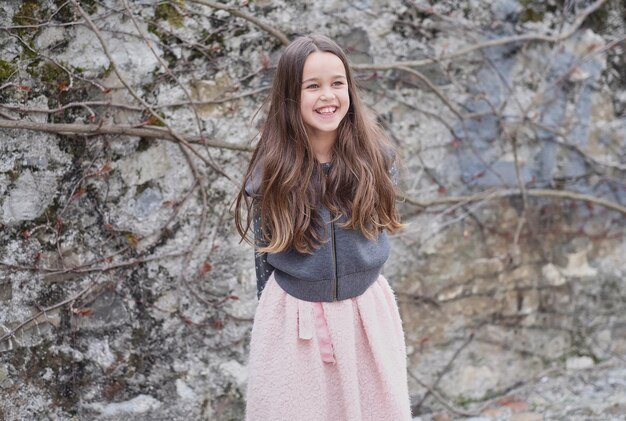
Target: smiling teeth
327,110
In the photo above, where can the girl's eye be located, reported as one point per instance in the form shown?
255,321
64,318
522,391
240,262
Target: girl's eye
312,86
338,83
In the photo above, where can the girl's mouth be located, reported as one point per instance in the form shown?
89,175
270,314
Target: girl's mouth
326,111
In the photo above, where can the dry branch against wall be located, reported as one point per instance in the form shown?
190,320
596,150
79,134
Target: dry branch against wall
120,130
550,193
254,20
196,302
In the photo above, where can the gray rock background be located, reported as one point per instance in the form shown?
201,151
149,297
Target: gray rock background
126,294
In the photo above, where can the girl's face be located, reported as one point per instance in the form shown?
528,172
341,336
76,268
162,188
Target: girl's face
324,99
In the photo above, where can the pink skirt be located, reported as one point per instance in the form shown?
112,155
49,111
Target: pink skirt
344,360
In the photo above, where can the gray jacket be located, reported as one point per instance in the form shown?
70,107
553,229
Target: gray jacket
344,266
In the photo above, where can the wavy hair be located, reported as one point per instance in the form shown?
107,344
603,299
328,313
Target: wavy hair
290,179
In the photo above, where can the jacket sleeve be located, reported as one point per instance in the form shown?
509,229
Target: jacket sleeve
262,267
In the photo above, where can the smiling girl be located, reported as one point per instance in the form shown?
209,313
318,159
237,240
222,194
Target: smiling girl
327,341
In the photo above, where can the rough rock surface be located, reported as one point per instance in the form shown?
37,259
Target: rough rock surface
595,393
126,294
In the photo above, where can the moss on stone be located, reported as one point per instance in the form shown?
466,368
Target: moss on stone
535,10
13,175
530,12
69,375
598,21
52,293
54,78
48,215
150,119
6,70
64,12
107,71
153,29
29,13
159,123
463,400
165,11
142,187
166,39
89,6
30,54
214,43
51,73
240,31
214,38
76,147
144,144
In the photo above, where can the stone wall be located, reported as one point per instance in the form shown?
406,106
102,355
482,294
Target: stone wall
124,290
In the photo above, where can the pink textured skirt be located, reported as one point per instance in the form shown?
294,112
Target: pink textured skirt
339,361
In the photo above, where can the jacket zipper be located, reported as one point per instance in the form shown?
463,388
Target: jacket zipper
332,233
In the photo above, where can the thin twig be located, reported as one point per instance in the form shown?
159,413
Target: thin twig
150,132
89,267
441,399
110,104
561,194
436,90
135,95
491,43
47,309
445,370
252,19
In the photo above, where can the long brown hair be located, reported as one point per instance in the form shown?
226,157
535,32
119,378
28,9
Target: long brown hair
291,180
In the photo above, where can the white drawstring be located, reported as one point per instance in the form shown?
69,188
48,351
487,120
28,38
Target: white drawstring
311,316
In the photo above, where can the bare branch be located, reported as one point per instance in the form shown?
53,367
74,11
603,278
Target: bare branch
254,20
124,106
88,268
135,95
150,132
561,194
491,43
436,90
71,299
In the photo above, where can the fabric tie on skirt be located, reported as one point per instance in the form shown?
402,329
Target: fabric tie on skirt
311,317
289,379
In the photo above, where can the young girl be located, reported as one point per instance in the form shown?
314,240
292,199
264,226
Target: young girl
327,341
